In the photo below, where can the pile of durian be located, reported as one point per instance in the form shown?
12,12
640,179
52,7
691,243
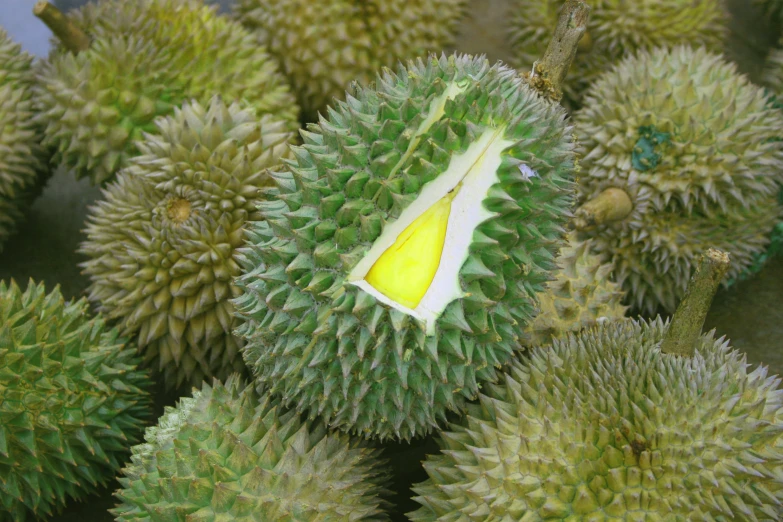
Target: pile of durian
327,233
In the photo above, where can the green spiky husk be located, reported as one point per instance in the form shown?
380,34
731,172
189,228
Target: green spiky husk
146,58
695,146
22,158
615,29
603,426
324,46
580,296
331,348
162,240
71,401
231,453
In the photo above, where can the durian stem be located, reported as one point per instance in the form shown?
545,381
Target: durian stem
71,36
549,72
688,319
613,204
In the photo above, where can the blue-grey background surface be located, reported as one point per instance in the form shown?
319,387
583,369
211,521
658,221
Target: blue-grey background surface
750,314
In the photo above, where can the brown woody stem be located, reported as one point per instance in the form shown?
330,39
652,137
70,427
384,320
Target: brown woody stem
71,36
613,204
688,319
549,72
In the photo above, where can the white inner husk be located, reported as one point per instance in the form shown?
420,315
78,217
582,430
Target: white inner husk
476,169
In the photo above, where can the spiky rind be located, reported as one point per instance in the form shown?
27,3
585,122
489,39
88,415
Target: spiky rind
162,239
324,46
72,401
332,349
231,453
603,426
580,296
696,146
22,158
146,58
772,75
614,29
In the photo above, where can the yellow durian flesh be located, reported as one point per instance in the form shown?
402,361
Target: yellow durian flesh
405,271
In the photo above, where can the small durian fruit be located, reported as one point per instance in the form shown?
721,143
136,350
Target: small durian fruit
679,152
139,60
616,29
580,296
402,248
231,453
610,424
162,239
72,401
22,158
324,46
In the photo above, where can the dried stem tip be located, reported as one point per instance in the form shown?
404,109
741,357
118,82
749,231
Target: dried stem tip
71,36
550,71
613,204
688,320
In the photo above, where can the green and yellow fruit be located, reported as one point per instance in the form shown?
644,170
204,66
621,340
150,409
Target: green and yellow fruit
71,401
324,46
22,159
403,246
145,58
231,453
581,295
604,426
162,240
615,29
693,147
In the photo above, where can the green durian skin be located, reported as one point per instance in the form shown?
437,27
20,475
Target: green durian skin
580,296
146,58
603,426
615,29
230,452
772,78
72,401
167,277
330,348
23,165
696,147
324,46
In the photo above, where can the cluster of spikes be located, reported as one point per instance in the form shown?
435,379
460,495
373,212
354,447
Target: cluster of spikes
72,401
161,241
231,453
143,59
615,31
334,349
324,46
22,158
581,295
695,147
604,426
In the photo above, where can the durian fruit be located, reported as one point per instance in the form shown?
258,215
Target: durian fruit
615,29
72,401
403,246
580,296
231,453
689,147
161,241
610,424
324,46
145,58
22,164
